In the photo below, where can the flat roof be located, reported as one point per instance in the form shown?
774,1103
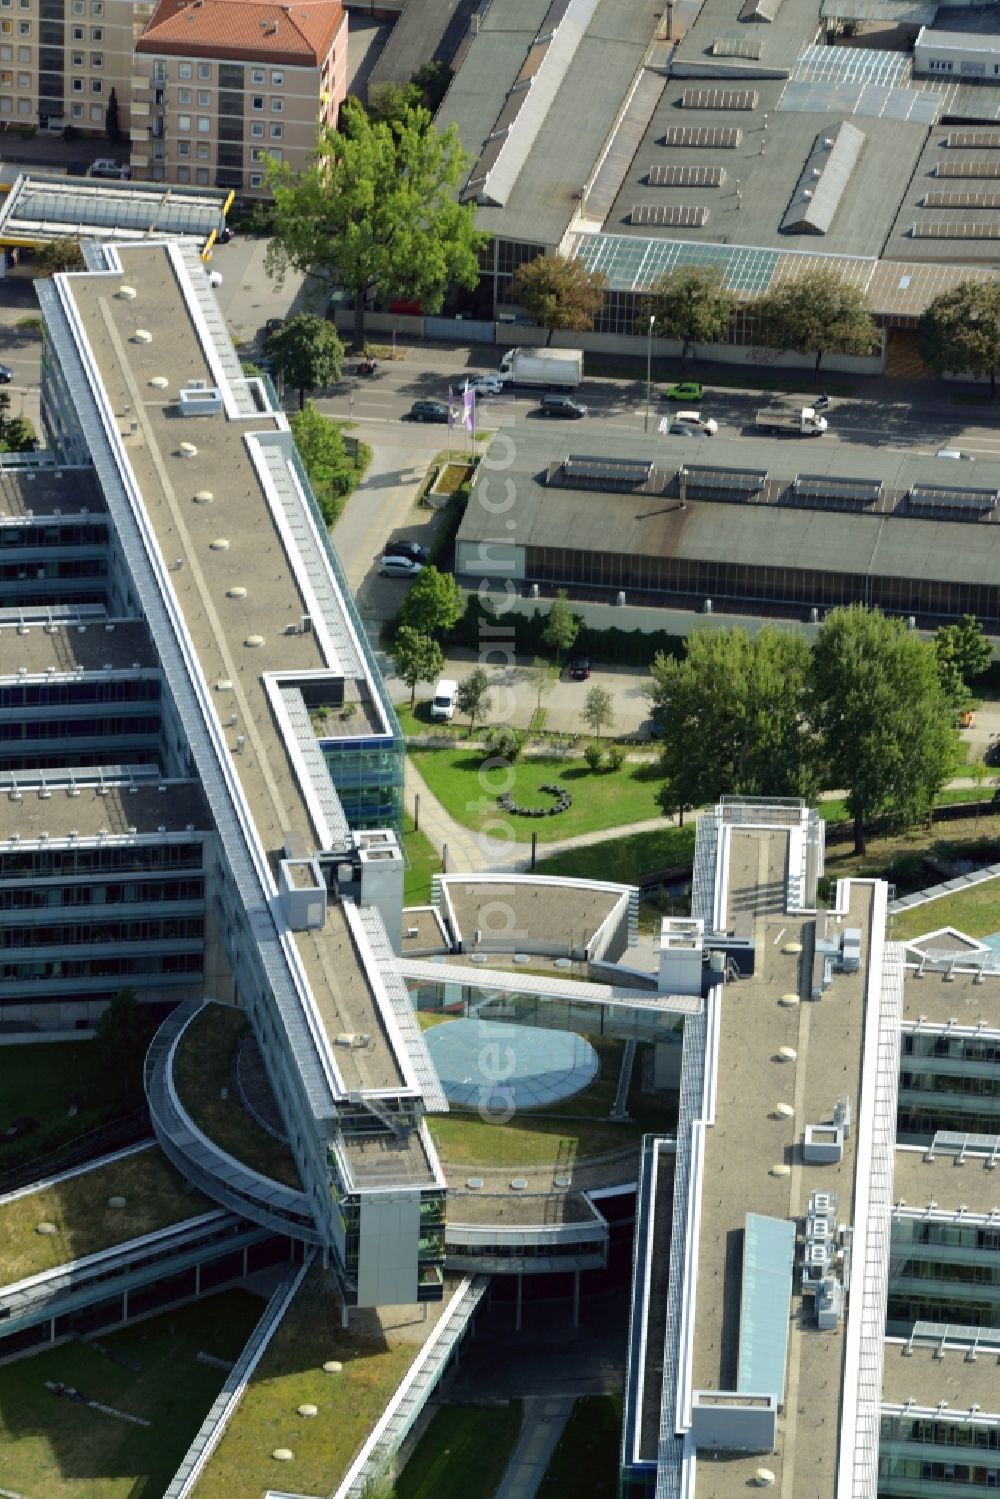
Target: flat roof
919,1375
939,195
62,810
42,206
69,648
747,1139
43,489
237,557
918,1181
533,910
938,998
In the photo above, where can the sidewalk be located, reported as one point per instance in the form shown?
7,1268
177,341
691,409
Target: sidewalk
542,1427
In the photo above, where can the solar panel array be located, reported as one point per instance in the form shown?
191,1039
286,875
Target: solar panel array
964,230
960,504
607,473
967,169
813,487
719,98
670,215
988,140
686,176
961,200
721,137
723,483
738,46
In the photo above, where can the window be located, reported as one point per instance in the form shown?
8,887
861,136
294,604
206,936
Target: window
6,79
79,7
97,59
201,176
277,80
204,125
277,131
97,7
257,130
24,54
97,33
6,54
5,104
77,111
24,80
5,4
24,106
96,86
183,148
257,76
96,114
277,105
204,99
78,33
203,151
78,59
159,72
205,72
256,180
6,27
183,96
78,85
24,28
258,153
257,102
183,122
184,70
183,174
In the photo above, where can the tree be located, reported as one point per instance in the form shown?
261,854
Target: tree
818,314
562,626
431,82
58,255
111,126
389,101
122,1038
882,719
598,710
691,304
321,448
307,353
558,291
434,603
17,435
960,331
965,645
979,773
731,711
473,696
377,208
418,658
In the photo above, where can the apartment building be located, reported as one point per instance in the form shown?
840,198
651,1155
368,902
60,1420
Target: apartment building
220,85
60,60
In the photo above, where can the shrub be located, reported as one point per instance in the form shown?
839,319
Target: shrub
594,756
503,742
615,757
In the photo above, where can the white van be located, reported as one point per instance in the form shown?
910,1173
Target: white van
445,693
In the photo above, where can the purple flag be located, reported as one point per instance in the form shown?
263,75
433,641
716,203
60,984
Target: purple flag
469,415
452,413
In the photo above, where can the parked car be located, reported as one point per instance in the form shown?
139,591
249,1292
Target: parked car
687,390
563,406
486,385
407,548
105,167
579,668
398,567
445,699
429,411
6,374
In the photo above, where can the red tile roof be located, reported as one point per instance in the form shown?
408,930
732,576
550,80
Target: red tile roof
244,30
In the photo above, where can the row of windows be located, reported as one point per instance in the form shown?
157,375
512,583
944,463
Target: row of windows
923,1082
77,934
948,1270
912,1120
229,76
85,728
133,858
941,1433
103,967
64,567
961,1048
87,533
967,1236
959,1474
57,694
132,892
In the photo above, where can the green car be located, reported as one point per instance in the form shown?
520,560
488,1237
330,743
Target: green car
688,390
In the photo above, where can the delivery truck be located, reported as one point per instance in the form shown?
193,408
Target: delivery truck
802,420
552,369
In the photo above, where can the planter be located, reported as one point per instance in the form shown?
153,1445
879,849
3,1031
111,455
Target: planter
450,476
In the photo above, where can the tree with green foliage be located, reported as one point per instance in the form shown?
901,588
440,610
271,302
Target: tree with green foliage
979,774
418,658
819,314
432,81
731,711
112,129
17,435
960,331
473,696
376,209
307,353
884,725
558,291
58,255
321,448
598,710
122,1039
690,304
390,101
963,653
562,626
434,603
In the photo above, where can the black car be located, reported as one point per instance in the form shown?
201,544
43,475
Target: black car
6,374
579,668
562,406
405,548
429,411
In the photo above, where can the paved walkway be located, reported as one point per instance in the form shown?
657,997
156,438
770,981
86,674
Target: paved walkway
541,1429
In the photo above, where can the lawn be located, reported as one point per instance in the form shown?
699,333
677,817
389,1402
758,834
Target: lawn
204,1071
975,911
463,1453
605,799
575,1129
41,1082
926,856
625,860
586,1459
155,1195
291,1374
422,862
52,1448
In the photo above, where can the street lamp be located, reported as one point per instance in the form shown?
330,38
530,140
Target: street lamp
649,367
